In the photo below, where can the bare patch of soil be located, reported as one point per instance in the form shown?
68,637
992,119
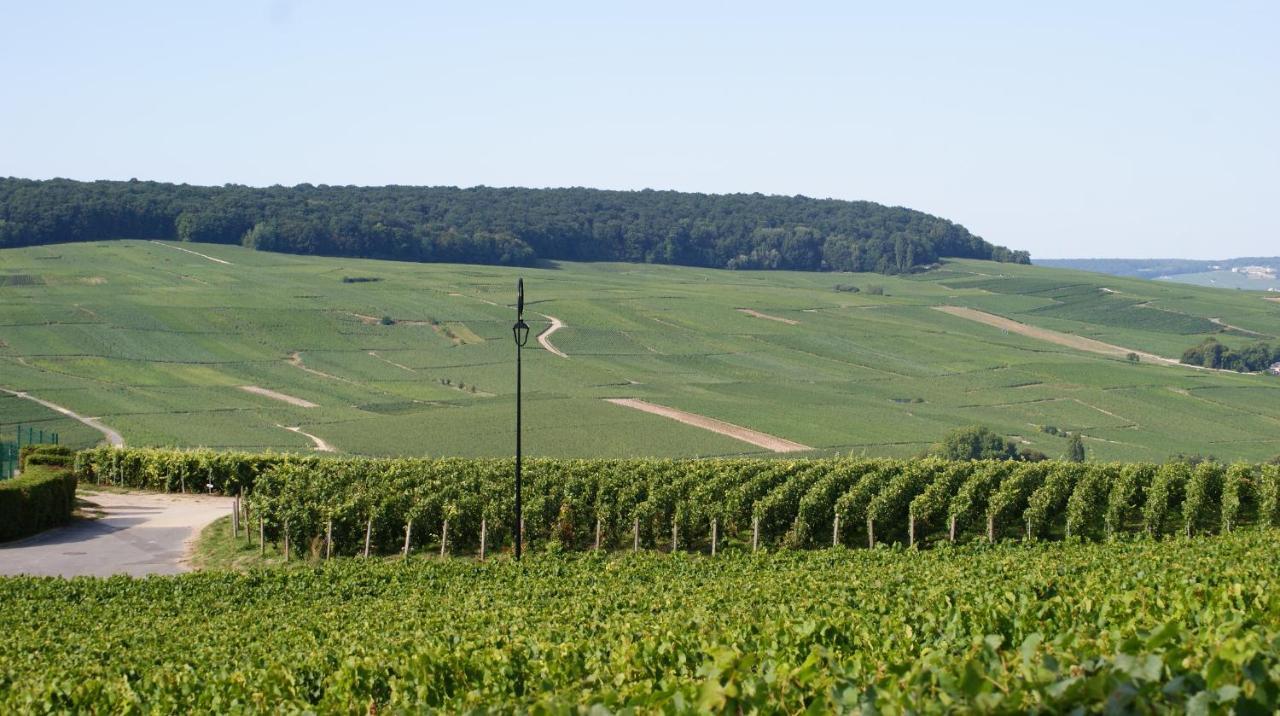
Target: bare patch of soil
737,432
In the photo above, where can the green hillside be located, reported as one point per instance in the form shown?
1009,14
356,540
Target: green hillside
159,344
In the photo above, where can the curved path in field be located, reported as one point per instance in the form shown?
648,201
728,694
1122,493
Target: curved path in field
319,443
545,337
113,438
136,533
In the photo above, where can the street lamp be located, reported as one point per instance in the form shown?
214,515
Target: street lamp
520,331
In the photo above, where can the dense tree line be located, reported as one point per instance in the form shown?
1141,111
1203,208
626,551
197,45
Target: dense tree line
495,226
1251,358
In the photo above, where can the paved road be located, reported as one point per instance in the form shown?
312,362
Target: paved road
138,534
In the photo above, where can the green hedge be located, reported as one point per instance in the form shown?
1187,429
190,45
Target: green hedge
43,497
45,454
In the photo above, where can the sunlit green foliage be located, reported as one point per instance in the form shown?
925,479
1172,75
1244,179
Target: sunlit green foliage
1171,626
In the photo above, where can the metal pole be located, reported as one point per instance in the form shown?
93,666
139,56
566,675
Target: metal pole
519,505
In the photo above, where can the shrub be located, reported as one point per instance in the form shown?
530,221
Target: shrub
45,449
43,497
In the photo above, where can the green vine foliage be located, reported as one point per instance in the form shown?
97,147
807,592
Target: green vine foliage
777,510
1269,495
854,503
1051,497
888,514
928,508
1127,494
1009,499
794,502
817,508
969,504
1167,490
1202,506
1087,507
1239,495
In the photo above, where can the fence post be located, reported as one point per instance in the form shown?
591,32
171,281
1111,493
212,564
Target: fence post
635,535
444,539
713,536
835,531
483,537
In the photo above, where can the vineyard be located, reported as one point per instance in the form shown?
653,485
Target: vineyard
170,348
1154,626
458,506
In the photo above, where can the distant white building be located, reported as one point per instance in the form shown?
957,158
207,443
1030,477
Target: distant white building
1274,369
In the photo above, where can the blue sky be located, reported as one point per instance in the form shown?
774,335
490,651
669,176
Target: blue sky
1069,129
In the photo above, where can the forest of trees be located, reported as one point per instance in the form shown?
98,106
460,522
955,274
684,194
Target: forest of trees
495,226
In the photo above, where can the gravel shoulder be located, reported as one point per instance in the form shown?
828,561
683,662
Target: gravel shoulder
137,534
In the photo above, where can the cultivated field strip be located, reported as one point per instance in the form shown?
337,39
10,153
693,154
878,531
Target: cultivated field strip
704,505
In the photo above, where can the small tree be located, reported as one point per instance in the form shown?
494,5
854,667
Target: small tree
1133,358
975,443
1075,448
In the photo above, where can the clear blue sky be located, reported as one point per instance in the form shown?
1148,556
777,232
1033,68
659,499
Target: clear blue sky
1069,129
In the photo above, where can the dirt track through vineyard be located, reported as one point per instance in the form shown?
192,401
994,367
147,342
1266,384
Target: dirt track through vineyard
545,337
1050,336
113,438
737,432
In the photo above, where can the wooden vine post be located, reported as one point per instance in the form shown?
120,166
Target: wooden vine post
483,536
871,533
408,532
368,534
444,538
674,542
835,531
951,529
911,528
755,533
262,537
328,539
635,535
597,533
713,536
286,540
235,518
991,529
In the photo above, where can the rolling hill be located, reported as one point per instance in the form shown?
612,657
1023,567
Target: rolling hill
221,346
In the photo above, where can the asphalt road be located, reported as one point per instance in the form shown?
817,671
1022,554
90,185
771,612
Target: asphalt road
138,534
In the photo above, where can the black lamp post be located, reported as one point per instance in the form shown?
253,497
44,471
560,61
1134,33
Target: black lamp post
520,331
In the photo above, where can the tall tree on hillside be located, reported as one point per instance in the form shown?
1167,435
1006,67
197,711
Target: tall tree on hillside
1075,448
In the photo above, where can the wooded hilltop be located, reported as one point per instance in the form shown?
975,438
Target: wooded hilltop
509,226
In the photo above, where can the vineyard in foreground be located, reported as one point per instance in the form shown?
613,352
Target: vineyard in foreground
1173,625
346,506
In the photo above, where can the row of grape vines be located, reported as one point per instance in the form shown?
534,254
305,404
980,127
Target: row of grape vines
1132,626
465,505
